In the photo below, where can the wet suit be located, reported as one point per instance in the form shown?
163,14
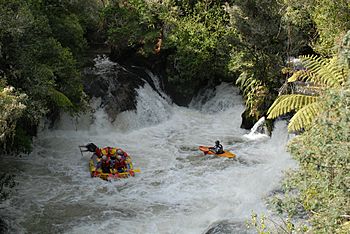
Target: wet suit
218,149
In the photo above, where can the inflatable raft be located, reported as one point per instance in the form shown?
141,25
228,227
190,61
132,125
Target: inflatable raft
129,171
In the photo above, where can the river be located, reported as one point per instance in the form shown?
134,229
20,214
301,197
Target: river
179,190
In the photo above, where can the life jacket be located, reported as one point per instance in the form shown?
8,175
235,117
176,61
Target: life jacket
109,151
98,152
219,149
119,163
106,151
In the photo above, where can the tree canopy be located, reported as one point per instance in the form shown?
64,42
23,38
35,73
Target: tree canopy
39,50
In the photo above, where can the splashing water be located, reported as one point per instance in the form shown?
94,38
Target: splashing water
179,190
256,131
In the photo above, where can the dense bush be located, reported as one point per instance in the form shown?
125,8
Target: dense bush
322,180
11,105
39,53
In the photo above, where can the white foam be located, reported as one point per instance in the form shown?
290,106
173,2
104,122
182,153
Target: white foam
179,190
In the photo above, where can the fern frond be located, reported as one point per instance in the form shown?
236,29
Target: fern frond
251,85
339,69
287,103
241,78
298,75
304,117
303,75
59,98
322,71
319,74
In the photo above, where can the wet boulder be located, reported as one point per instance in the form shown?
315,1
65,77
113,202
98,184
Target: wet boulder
114,84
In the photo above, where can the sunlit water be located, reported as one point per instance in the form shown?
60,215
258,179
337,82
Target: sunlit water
179,190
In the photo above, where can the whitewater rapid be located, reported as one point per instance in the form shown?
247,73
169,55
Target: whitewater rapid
179,190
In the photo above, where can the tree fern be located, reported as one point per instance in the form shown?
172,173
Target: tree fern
330,73
304,117
288,103
254,92
319,74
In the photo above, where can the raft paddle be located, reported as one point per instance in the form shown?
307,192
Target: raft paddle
81,151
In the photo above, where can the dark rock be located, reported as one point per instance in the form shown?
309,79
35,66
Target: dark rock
247,121
228,227
114,84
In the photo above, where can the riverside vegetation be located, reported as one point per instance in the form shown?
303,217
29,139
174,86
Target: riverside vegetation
195,43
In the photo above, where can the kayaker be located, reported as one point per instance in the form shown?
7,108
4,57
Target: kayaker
218,148
104,164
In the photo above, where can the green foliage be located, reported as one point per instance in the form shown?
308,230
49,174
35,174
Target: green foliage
131,24
60,99
254,92
325,21
11,105
258,50
50,67
198,32
345,49
318,190
287,103
193,34
319,73
305,116
306,107
267,32
264,225
329,73
69,21
69,32
332,20
322,179
38,52
315,196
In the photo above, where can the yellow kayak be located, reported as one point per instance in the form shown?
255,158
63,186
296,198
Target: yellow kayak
226,154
